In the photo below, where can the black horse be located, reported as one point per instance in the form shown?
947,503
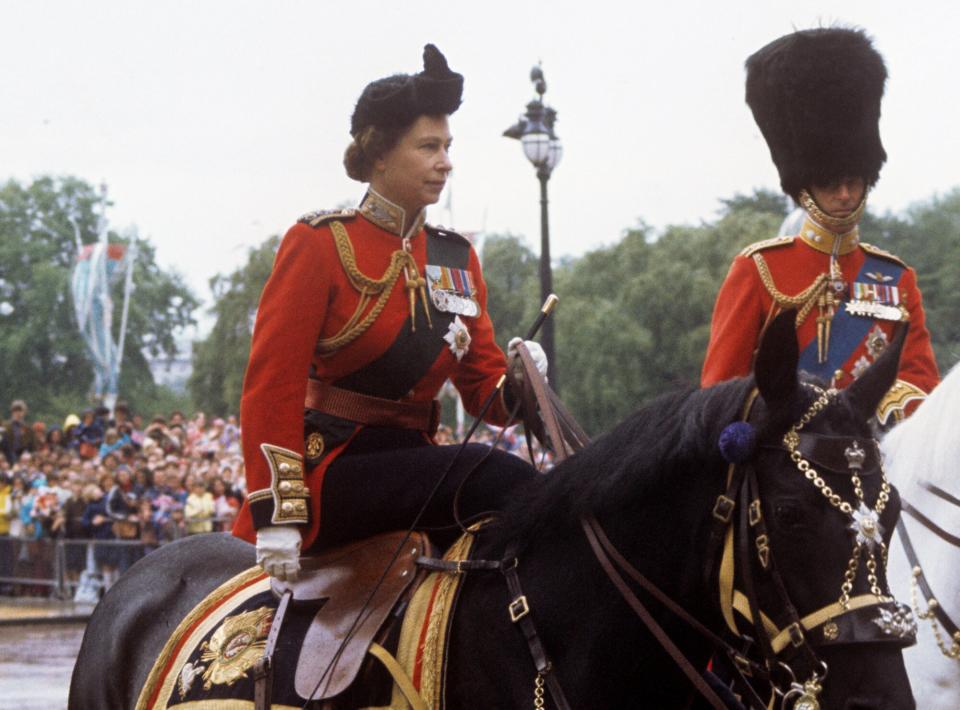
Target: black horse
652,483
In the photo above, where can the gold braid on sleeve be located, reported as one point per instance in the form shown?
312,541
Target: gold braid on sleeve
401,262
806,299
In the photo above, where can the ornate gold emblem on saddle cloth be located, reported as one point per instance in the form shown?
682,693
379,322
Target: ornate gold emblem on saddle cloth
208,660
175,671
235,646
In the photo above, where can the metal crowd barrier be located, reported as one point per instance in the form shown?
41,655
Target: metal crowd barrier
71,568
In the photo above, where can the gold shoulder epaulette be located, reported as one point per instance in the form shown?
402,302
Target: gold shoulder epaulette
318,217
882,253
766,244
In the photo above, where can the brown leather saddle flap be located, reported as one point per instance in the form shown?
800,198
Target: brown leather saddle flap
344,579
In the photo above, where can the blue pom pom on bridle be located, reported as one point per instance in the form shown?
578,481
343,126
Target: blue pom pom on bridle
737,442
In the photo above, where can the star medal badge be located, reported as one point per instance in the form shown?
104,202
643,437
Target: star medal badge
866,526
876,342
459,338
452,290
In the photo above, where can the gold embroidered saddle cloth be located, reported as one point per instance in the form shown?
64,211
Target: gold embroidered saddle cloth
208,660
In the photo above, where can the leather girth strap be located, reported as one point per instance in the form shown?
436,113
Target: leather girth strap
263,668
400,677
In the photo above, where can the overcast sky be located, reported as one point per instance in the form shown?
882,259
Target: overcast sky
217,123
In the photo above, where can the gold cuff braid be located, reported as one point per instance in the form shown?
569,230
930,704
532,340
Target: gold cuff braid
896,399
290,493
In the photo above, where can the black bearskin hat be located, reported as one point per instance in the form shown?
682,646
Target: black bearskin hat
396,101
816,96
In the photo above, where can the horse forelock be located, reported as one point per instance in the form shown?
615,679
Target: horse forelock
676,432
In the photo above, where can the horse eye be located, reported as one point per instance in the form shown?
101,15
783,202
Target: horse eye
788,515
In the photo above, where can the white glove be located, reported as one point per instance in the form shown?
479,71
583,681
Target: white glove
278,551
536,352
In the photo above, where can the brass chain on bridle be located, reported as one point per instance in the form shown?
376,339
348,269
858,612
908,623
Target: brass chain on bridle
953,651
864,521
538,692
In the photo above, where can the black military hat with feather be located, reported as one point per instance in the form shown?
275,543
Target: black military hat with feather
816,96
396,101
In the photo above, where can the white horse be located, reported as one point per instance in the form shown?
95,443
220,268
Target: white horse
922,458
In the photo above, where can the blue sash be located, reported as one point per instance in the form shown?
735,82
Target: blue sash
847,331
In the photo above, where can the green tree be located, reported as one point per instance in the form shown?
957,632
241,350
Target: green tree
927,237
634,318
762,201
42,356
510,270
220,360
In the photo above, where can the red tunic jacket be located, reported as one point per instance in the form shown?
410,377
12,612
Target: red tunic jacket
309,296
745,306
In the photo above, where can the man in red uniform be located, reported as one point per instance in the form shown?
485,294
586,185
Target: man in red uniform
815,95
366,313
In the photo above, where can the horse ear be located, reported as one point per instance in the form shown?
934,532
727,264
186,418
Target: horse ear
867,391
775,368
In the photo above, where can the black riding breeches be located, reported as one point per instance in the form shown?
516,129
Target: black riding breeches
369,490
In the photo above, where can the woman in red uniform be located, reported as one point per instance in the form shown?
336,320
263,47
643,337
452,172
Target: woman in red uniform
366,314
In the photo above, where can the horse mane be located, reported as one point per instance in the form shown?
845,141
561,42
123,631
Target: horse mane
926,446
674,433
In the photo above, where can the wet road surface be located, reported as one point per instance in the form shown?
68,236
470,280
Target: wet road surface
36,661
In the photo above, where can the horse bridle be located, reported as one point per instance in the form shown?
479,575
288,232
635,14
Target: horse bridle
850,620
843,622
918,580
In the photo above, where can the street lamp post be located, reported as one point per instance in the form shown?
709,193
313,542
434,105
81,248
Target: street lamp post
540,144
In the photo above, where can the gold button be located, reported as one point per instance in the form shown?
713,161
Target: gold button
300,506
295,468
838,374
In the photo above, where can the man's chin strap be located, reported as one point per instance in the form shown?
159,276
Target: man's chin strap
837,225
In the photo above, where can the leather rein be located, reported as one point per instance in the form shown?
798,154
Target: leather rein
918,578
557,429
742,486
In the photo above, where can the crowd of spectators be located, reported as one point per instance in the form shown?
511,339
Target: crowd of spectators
112,478
109,476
